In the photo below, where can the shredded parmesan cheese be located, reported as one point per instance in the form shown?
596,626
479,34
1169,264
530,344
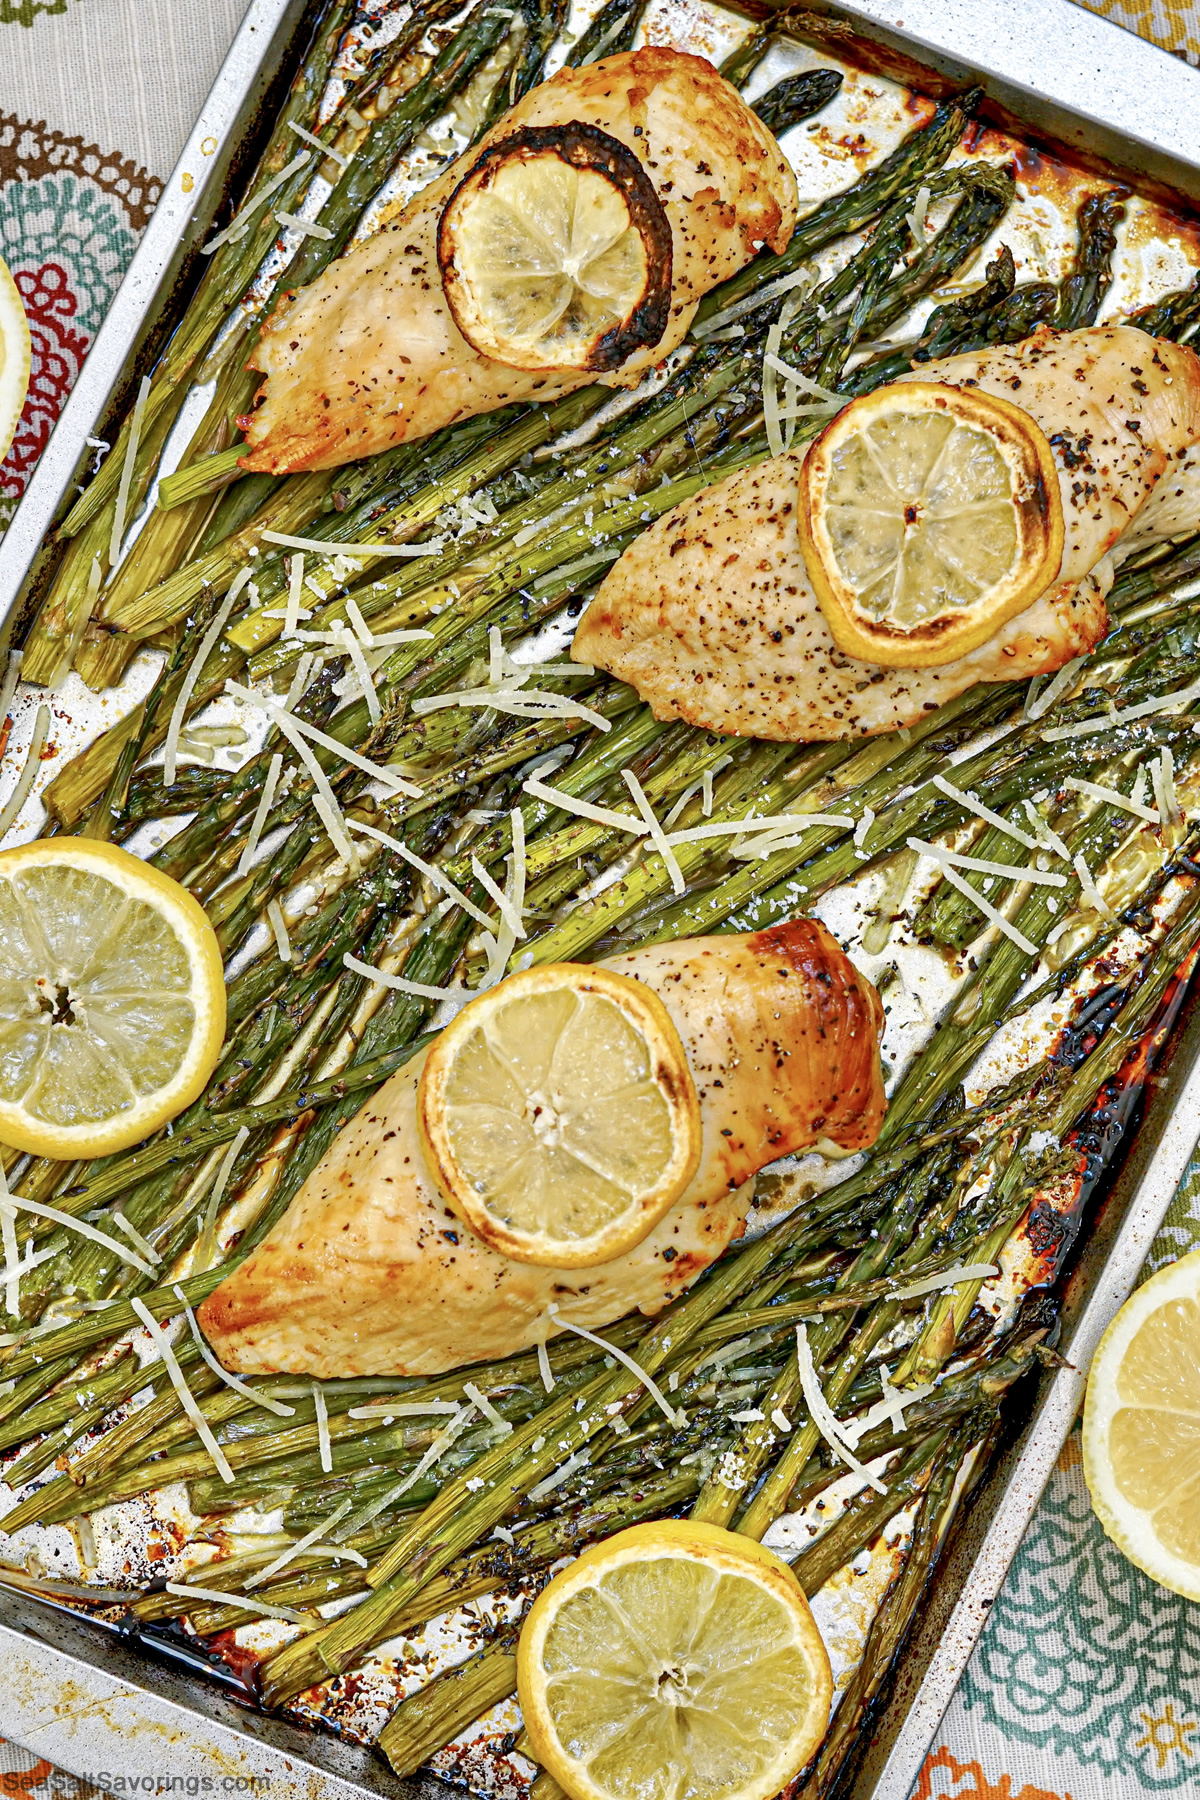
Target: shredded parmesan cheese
278,924
1125,715
486,1408
1113,797
1048,839
306,227
974,804
544,1368
291,615
398,1409
117,534
179,1382
989,911
1012,871
420,989
240,222
195,670
429,870
945,1278
84,1230
301,1545
1053,692
285,541
501,946
239,1387
1089,893
802,279
220,1598
441,1443
821,1414
580,1460
261,811
508,911
324,1446
658,836
134,1235
289,725
333,155
651,1386
915,220
584,809
1162,773
32,763
889,1409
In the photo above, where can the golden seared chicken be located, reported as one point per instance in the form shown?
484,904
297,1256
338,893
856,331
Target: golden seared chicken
370,1272
713,617
573,242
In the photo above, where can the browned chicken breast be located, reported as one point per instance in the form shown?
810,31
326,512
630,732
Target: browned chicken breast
370,355
711,616
369,1272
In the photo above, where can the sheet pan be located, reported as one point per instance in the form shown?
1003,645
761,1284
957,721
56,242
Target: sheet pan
79,1695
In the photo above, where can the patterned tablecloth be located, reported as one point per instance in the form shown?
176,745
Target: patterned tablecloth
1086,1683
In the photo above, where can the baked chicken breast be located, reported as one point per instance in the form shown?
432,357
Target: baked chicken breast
369,355
369,1272
712,617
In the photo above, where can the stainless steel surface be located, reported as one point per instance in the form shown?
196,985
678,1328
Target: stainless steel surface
90,1702
180,222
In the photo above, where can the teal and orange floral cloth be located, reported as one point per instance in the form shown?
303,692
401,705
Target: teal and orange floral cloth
1086,1682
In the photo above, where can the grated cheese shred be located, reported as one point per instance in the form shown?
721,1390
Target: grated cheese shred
301,1545
648,1382
945,1278
486,1408
399,983
324,1447
955,859
1094,790
278,924
821,1414
219,1597
285,541
195,670
179,1382
657,835
239,225
40,1211
261,813
974,804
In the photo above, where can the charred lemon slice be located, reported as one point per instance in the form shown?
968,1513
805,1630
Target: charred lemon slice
112,998
558,1115
676,1659
555,251
1141,1428
929,515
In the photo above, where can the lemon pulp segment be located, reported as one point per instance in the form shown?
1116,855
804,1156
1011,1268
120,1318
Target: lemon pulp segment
674,1660
1141,1438
930,516
555,251
559,1115
112,999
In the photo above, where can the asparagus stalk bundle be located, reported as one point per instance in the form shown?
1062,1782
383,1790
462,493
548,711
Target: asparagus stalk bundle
523,512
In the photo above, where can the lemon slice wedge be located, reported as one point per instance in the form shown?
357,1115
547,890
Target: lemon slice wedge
14,358
558,1115
929,515
555,251
1141,1428
673,1660
112,998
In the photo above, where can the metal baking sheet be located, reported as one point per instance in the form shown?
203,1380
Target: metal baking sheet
94,1704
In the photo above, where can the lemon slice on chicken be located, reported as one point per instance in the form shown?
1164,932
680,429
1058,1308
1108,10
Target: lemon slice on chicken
558,1115
929,516
555,251
1141,1428
112,998
674,1659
